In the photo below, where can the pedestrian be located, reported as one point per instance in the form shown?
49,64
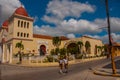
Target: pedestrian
61,64
65,60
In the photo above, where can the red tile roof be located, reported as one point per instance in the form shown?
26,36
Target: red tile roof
64,38
90,37
5,23
48,37
42,36
21,11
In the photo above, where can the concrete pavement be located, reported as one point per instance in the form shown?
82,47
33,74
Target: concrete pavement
106,69
100,72
87,75
104,72
73,74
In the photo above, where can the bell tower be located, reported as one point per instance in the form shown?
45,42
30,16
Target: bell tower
21,24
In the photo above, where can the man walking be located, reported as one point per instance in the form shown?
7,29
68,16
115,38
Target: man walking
65,60
61,64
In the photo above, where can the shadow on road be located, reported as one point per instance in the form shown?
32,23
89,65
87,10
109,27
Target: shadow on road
108,66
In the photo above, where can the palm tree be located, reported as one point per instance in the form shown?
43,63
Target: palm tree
56,41
80,44
21,47
87,46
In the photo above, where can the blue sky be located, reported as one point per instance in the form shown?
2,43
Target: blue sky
70,18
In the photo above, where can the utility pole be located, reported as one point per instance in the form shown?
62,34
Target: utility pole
109,36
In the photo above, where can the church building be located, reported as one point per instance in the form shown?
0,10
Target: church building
19,27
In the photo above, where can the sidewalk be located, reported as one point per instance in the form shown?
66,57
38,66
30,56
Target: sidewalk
106,69
53,64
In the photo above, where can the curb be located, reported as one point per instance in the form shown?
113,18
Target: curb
56,63
106,74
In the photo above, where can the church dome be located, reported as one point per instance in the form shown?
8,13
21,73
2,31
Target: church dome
21,11
5,23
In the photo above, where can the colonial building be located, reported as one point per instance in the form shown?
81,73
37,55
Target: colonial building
20,27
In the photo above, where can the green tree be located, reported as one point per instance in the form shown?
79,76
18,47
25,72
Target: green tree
101,49
52,52
87,46
21,47
73,50
80,44
56,42
63,51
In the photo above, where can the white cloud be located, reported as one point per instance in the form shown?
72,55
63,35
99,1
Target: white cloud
52,19
47,30
103,38
35,18
114,23
80,26
68,27
7,7
57,10
115,37
71,35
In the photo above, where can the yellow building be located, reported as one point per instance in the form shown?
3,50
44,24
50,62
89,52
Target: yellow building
20,27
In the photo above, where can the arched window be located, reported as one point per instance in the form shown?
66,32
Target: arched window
18,23
27,24
21,34
18,34
27,35
24,34
24,24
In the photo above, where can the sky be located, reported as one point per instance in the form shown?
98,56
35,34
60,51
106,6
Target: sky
70,18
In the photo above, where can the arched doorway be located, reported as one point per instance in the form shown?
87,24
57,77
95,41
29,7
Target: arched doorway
73,48
42,50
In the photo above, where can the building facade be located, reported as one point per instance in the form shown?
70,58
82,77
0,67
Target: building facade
19,27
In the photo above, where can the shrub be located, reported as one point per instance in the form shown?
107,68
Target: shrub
78,56
50,58
70,58
45,60
52,52
63,51
15,55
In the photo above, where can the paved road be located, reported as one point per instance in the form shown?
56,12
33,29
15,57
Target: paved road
80,71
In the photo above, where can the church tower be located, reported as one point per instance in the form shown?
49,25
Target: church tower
21,25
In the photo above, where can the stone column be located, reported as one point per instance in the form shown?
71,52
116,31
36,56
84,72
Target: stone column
7,54
10,53
0,51
3,53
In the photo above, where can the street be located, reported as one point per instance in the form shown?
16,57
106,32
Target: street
80,71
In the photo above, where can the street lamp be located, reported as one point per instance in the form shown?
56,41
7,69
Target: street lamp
109,36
